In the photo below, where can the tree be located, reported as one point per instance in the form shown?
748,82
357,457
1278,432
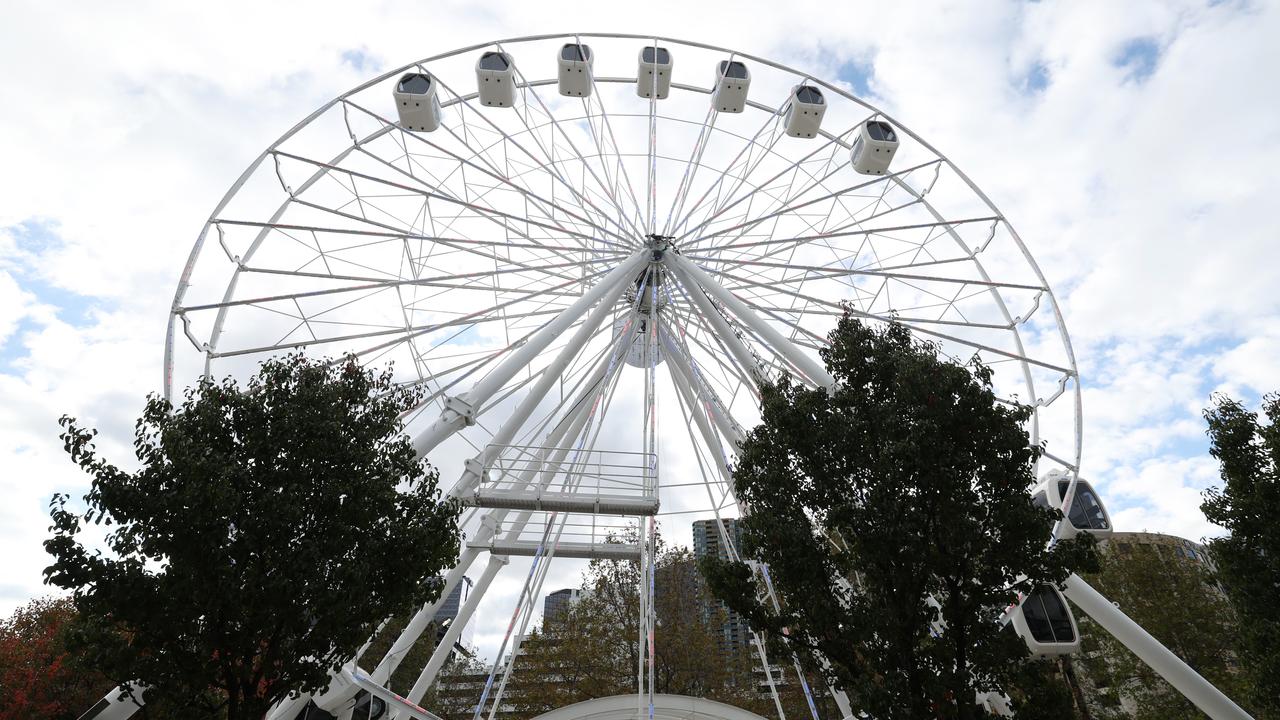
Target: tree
910,480
1248,506
589,648
1173,597
39,676
267,531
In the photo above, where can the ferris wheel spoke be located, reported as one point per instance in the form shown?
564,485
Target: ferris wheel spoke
504,180
814,271
547,162
620,168
466,248
392,236
415,331
690,327
448,223
690,170
881,179
621,216
501,218
716,186
916,325
370,283
832,144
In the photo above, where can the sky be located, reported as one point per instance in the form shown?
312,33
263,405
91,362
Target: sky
1130,143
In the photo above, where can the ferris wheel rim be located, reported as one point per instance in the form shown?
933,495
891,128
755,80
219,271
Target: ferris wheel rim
1064,336
1070,372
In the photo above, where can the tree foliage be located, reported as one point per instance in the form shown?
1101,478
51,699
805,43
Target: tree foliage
39,676
909,479
1174,598
1248,506
266,532
589,649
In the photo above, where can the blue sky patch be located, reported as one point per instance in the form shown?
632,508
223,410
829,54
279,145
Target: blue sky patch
359,60
858,74
1139,57
35,240
1036,79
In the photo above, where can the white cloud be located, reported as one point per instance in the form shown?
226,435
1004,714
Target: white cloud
1144,198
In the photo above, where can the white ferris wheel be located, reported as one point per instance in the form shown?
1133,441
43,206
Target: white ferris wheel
587,249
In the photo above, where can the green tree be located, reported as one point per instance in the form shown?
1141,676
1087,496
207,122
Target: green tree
1173,597
267,531
909,479
589,649
1248,506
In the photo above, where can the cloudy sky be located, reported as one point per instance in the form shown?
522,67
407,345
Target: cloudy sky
1130,143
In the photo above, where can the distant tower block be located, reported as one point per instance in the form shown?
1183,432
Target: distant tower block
496,79
805,111
654,77
416,102
576,65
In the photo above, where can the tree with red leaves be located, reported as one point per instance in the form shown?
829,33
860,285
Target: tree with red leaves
39,676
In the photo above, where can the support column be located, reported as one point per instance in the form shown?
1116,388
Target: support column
693,276
460,410
441,653
471,475
1180,675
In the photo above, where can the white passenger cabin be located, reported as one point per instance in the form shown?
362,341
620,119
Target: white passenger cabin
416,102
655,72
576,64
732,82
874,147
496,79
1044,621
805,111
1087,513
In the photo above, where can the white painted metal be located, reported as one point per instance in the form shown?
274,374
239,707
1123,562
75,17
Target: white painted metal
874,147
445,647
654,77
805,108
1044,621
576,65
461,410
803,361
417,102
496,79
506,231
114,706
733,81
1082,508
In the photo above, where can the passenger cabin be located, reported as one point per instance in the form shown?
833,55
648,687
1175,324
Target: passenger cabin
576,64
1087,513
1046,624
496,79
732,82
416,102
873,148
654,76
804,111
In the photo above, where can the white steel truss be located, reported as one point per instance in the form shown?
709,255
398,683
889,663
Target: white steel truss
550,272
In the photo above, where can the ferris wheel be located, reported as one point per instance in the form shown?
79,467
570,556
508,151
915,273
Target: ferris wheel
588,250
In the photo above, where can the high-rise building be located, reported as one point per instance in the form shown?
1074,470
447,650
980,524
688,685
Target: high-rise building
449,611
707,541
556,602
